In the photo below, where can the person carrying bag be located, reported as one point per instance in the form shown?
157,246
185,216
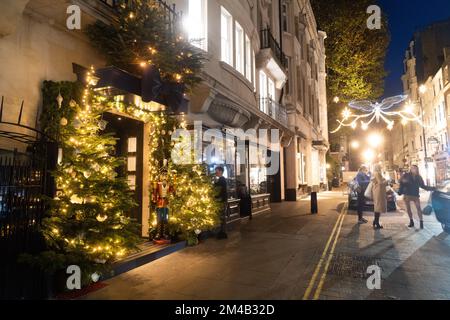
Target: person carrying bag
368,193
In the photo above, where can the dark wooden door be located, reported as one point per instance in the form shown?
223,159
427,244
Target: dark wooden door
130,135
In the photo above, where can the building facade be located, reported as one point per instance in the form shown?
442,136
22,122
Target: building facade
265,70
425,81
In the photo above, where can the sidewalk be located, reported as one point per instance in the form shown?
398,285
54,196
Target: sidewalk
275,255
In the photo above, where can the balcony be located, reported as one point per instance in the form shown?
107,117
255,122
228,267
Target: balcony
272,59
269,42
275,110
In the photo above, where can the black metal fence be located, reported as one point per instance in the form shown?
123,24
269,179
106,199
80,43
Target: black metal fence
24,180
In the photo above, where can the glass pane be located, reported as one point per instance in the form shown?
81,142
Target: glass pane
226,34
131,164
132,182
132,145
196,24
239,48
248,59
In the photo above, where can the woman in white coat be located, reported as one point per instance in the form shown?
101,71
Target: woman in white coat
379,184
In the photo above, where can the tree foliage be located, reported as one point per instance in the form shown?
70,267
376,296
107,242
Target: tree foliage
355,54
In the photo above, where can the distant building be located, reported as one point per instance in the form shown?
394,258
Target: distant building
424,82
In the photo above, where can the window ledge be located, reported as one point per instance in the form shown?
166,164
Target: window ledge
237,74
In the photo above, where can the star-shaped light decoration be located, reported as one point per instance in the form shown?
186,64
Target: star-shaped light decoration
370,112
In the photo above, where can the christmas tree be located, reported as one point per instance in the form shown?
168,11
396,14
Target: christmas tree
141,37
193,208
87,221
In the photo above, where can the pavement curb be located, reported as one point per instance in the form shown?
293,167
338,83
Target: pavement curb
141,258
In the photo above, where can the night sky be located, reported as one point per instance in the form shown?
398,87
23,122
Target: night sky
405,17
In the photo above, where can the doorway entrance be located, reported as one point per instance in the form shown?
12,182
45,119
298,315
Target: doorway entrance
129,146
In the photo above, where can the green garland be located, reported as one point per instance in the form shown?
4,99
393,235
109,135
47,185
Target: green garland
51,115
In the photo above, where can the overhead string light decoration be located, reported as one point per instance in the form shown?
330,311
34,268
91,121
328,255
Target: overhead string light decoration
370,112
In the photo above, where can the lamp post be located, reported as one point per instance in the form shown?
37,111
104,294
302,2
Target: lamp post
423,90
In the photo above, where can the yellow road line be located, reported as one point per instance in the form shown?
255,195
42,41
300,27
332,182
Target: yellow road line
322,258
330,257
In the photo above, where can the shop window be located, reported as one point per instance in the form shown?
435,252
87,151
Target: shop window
227,36
258,171
196,24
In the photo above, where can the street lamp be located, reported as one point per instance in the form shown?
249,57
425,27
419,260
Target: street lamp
369,155
336,99
355,144
375,140
422,89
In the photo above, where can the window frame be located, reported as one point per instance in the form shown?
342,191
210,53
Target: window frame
202,42
248,58
227,47
239,46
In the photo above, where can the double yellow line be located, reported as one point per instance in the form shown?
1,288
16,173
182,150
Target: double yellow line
326,258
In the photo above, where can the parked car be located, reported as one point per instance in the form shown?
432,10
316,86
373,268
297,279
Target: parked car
440,200
368,205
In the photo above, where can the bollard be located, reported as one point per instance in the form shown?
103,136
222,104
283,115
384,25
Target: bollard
314,205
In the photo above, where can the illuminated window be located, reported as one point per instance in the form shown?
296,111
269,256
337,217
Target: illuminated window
227,37
248,58
263,91
240,52
254,69
197,23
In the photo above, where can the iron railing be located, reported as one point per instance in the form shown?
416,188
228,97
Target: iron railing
275,110
24,181
269,42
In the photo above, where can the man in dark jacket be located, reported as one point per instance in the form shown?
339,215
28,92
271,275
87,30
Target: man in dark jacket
363,180
410,185
222,197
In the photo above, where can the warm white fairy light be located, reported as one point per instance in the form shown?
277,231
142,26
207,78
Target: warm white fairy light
378,112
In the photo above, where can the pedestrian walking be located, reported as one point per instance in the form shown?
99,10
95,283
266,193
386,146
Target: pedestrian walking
222,197
379,196
410,185
363,180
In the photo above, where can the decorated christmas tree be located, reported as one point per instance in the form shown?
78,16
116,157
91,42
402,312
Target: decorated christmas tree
87,222
144,36
192,207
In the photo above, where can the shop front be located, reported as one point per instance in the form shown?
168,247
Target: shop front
248,182
442,163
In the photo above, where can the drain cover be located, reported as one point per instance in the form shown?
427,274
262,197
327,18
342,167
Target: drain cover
346,265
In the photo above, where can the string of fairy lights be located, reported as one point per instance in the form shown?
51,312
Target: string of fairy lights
370,112
193,206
